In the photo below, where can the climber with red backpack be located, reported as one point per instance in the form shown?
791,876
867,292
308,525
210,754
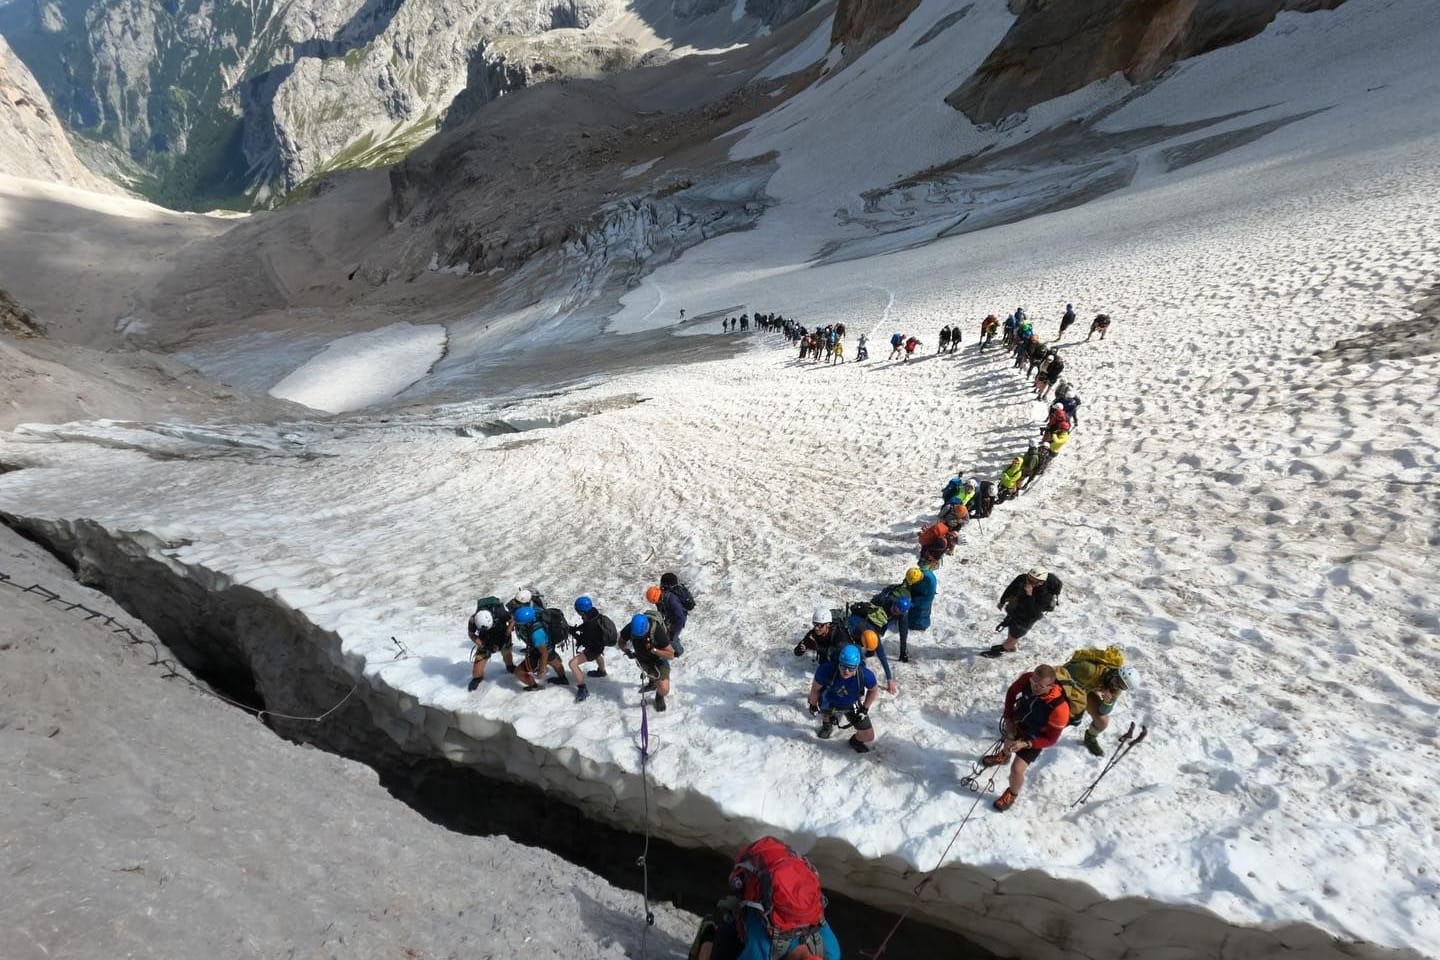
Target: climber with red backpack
775,910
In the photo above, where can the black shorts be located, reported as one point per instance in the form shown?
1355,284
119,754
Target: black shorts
1018,630
1029,754
593,652
537,659
857,721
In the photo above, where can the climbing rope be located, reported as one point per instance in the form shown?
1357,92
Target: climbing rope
980,791
172,669
644,860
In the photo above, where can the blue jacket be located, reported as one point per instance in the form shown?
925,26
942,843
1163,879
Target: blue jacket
842,693
757,941
673,613
922,595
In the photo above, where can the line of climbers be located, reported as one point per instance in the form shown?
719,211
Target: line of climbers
651,638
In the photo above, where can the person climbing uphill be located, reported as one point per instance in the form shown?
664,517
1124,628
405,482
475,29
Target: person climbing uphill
595,633
539,650
489,630
1093,680
1028,598
845,687
671,612
1010,480
647,640
923,587
1036,713
775,910
828,633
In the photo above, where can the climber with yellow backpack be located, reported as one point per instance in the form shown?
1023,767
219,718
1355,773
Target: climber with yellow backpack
1093,680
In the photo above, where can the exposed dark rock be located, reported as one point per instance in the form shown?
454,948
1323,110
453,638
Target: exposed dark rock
16,320
1055,48
860,24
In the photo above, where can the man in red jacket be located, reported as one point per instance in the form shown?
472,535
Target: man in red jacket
1036,713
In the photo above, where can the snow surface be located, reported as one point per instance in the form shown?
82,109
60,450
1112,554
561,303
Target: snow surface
363,369
1248,506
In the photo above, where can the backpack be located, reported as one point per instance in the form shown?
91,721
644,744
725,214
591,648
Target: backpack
555,624
495,606
682,593
1112,656
608,631
782,886
932,537
872,613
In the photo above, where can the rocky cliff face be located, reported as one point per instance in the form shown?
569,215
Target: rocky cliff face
859,24
223,99
32,142
1059,46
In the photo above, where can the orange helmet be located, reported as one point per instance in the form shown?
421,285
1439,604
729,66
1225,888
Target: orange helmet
869,639
652,595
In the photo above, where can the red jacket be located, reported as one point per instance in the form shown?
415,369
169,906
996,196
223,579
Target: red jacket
1041,720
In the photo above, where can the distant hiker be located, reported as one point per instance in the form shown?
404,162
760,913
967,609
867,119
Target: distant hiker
1048,372
671,612
955,338
897,345
1093,680
1050,449
955,514
1062,390
1057,421
984,500
944,344
1036,714
646,639
838,354
861,351
595,633
1011,326
910,346
840,331
894,603
936,541
1071,406
845,687
1029,597
954,487
828,634
1035,354
682,313
923,587
539,651
1067,320
988,326
1032,466
1100,325
489,630
1010,480
775,910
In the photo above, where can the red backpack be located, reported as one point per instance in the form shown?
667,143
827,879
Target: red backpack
781,885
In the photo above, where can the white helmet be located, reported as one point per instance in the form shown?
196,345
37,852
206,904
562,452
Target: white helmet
1058,406
483,620
822,615
971,484
522,596
1129,676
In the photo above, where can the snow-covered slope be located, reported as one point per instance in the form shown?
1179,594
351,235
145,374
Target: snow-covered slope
1248,508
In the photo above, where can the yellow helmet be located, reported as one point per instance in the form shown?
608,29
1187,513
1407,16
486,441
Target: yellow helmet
869,639
913,576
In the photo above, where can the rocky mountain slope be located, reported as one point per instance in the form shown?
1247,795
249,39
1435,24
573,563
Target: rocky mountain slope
33,144
224,101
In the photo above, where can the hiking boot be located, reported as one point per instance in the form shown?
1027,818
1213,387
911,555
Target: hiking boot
598,673
1006,800
558,681
648,686
993,759
1092,743
827,730
904,658
998,650
531,688
857,746
581,694
659,703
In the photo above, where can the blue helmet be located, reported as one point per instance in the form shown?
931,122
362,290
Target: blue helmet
953,498
584,605
903,604
539,637
525,615
639,625
850,656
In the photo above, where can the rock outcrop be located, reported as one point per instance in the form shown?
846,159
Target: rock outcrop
224,101
32,142
860,24
1055,47
16,321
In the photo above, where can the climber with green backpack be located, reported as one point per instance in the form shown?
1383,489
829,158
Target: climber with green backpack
1093,680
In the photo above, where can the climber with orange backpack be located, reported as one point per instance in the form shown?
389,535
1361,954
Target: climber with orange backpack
775,910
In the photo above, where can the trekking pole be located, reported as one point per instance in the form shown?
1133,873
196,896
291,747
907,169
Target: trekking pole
1124,746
